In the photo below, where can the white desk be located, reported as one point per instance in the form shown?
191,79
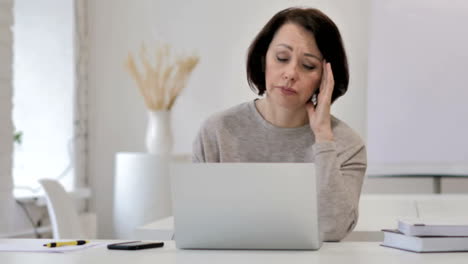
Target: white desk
344,252
162,229
376,212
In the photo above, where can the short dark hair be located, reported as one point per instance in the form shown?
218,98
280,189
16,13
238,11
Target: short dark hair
327,37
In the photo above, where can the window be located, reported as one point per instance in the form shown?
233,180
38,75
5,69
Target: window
43,92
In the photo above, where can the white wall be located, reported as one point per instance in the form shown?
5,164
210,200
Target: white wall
220,31
418,115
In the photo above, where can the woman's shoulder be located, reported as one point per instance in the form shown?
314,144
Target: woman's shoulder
232,117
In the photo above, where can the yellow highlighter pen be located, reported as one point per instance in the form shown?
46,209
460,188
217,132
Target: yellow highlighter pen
66,243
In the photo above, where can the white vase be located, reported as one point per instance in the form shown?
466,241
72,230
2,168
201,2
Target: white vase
159,133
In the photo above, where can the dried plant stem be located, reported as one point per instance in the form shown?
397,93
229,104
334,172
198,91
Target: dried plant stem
160,85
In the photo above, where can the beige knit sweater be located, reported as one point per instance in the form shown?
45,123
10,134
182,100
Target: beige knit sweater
240,134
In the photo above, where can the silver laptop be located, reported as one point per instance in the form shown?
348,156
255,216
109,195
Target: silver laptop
245,206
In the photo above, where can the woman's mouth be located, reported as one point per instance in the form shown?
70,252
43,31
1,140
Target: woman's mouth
287,90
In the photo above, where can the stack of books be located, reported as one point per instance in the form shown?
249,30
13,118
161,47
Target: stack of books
428,235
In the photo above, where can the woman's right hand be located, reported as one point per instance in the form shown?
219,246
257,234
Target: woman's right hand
319,115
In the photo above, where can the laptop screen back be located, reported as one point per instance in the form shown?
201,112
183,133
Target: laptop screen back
245,205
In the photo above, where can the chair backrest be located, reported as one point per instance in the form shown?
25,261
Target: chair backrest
62,211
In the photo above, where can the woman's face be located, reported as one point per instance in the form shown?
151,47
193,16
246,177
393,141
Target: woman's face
293,67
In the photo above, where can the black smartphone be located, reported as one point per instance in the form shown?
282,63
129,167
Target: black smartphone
135,245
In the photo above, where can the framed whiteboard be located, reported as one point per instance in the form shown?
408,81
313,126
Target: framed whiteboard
418,88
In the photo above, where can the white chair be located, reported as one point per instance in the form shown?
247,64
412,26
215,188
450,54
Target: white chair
62,211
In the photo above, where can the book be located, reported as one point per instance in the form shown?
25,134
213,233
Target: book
396,239
434,226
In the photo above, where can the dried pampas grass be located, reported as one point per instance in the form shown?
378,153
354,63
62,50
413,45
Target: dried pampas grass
161,84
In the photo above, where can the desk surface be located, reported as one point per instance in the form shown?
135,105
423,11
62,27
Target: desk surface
376,212
343,252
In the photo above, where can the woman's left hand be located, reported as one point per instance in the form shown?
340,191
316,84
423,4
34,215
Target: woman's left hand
319,116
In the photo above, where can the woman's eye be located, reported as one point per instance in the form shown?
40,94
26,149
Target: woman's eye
309,67
282,59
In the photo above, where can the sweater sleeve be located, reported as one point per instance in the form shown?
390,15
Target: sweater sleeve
340,179
198,150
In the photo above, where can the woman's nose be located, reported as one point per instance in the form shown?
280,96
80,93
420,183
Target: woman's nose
290,73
